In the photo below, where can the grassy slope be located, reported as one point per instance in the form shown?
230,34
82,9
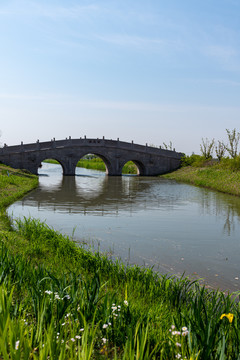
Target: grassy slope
213,177
92,283
13,185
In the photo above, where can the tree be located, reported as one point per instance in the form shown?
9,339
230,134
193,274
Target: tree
233,138
220,149
168,147
207,148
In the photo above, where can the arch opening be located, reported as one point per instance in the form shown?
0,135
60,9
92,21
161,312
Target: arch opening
133,167
49,165
94,162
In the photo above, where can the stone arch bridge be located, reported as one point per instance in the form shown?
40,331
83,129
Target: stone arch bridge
150,161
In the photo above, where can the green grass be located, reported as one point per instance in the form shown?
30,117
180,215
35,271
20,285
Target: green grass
62,301
212,177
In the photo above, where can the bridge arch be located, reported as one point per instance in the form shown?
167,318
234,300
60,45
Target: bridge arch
60,162
141,169
107,162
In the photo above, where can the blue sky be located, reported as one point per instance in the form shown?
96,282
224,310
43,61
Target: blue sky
148,71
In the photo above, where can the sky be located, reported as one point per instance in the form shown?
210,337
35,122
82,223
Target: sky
151,71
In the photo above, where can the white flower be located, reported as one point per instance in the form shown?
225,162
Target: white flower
172,327
178,344
82,329
49,292
184,333
104,340
109,324
176,332
184,328
17,344
72,339
126,302
78,337
105,326
178,356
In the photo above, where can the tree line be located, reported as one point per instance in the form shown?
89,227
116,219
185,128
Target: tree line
231,147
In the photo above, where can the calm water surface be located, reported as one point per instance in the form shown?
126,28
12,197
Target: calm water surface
145,220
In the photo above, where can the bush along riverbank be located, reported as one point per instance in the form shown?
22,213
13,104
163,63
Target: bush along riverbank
61,301
221,175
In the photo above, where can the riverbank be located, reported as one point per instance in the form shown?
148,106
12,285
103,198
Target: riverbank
212,177
61,301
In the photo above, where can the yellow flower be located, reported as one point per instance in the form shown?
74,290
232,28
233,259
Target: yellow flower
229,316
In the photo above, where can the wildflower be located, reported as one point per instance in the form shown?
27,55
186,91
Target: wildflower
17,344
82,329
72,339
184,328
109,324
176,332
105,326
126,302
178,356
104,340
49,292
184,333
63,324
172,327
229,316
178,344
78,337
57,297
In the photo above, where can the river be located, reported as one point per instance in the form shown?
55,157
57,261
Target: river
150,221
